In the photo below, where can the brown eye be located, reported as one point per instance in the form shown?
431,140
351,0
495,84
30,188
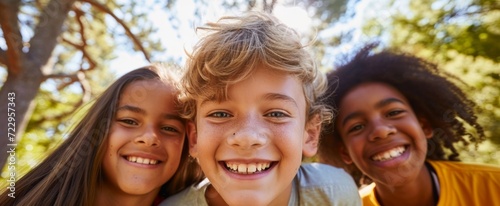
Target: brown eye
394,113
169,129
128,121
356,128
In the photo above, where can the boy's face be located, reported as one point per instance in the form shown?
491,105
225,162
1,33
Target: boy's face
250,145
382,135
145,140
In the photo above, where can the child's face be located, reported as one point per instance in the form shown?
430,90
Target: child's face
250,146
382,135
145,141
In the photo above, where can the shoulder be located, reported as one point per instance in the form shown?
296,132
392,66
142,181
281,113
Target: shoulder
453,174
462,167
367,194
317,174
467,183
321,183
193,195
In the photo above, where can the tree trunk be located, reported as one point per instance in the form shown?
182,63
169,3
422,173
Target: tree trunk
16,100
25,69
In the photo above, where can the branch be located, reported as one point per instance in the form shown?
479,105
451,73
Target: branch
72,79
129,33
86,55
47,30
86,94
12,36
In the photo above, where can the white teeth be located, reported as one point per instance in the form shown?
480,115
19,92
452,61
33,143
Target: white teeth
247,168
242,168
251,168
389,154
233,166
142,160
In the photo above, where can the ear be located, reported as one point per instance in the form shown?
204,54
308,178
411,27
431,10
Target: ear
426,127
344,154
311,136
192,138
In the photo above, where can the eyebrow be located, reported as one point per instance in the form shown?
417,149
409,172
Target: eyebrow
141,111
269,96
277,96
131,108
378,105
206,101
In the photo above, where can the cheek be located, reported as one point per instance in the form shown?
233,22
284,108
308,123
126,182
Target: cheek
174,145
290,138
354,147
110,146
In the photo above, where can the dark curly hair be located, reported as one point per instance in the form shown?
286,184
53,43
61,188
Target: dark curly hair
433,94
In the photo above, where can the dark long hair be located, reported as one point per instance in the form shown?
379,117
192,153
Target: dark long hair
72,173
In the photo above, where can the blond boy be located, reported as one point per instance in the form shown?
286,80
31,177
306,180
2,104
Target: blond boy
251,91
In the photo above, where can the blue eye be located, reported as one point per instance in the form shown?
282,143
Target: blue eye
276,114
220,115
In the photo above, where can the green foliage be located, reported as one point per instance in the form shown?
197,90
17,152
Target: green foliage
463,39
471,29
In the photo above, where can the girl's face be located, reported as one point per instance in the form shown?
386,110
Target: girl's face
382,135
145,140
250,146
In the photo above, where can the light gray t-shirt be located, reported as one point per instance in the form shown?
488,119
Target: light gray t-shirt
315,184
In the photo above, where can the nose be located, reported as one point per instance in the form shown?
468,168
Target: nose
148,137
381,130
249,135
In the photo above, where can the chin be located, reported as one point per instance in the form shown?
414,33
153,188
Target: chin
138,190
247,198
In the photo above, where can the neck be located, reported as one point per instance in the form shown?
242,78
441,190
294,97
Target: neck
109,196
414,192
213,198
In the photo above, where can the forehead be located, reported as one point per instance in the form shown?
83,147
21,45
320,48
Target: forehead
141,90
267,81
369,94
260,78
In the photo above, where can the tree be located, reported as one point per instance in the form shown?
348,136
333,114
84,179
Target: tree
464,39
60,41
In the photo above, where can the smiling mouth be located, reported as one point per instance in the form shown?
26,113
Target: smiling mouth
142,160
389,154
252,168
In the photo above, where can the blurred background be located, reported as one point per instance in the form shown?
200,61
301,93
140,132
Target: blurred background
57,55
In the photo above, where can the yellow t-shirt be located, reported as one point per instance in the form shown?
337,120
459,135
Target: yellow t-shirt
459,184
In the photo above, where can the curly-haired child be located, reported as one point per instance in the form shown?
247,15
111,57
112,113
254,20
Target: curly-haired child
399,120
